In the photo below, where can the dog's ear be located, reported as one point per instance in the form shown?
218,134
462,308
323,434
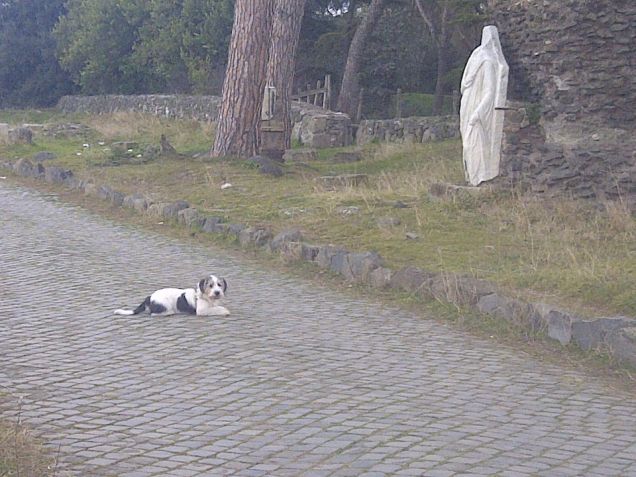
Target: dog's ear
224,285
202,285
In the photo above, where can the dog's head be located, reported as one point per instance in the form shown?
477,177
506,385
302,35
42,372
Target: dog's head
212,287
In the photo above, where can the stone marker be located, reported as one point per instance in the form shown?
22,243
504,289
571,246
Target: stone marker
343,180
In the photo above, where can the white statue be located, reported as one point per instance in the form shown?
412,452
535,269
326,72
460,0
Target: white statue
484,88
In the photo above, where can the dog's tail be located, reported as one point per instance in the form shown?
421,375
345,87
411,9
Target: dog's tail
140,309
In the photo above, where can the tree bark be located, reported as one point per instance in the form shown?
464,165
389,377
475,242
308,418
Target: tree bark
288,18
240,110
350,87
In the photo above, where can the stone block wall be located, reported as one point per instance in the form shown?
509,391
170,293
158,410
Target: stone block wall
576,56
202,108
598,170
576,61
409,130
315,127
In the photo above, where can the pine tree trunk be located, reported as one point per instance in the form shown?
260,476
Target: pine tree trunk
288,18
350,87
240,110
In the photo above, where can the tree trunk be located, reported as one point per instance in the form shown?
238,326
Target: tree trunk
240,109
350,87
288,17
442,69
437,21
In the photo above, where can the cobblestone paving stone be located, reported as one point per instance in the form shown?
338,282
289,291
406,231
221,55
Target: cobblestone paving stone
299,381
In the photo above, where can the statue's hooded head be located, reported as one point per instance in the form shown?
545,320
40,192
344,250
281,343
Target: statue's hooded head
490,37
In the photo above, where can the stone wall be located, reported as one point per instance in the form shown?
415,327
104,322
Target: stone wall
315,127
409,130
574,59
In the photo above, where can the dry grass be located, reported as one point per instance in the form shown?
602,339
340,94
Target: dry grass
561,251
21,455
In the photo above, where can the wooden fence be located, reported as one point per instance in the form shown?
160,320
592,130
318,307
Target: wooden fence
319,96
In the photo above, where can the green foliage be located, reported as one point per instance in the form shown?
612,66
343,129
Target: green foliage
421,104
29,72
96,41
145,46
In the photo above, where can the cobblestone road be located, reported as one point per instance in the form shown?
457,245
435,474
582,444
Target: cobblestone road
298,381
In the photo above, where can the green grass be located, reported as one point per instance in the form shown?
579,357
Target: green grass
421,104
562,251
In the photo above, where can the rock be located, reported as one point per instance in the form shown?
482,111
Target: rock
20,136
90,189
103,192
56,175
271,170
308,252
326,255
462,291
352,156
266,166
622,345
234,229
44,156
129,200
411,236
512,310
398,204
117,198
25,168
388,222
211,224
190,217
168,210
360,265
258,236
380,277
348,210
592,334
74,183
344,180
413,280
284,237
558,322
300,155
319,128
443,190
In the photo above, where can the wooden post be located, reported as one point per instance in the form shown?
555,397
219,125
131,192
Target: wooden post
398,103
359,111
317,93
326,99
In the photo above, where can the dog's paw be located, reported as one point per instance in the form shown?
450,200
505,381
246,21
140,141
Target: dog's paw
221,311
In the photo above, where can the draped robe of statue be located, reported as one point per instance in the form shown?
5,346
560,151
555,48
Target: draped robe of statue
483,88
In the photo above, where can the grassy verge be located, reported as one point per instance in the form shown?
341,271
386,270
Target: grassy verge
21,454
561,251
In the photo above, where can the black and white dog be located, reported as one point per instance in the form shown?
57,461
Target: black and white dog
204,300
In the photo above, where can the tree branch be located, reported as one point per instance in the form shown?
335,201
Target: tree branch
427,19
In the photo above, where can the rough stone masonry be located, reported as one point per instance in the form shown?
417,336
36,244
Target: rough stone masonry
573,73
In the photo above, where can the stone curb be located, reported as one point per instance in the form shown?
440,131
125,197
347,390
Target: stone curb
613,335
